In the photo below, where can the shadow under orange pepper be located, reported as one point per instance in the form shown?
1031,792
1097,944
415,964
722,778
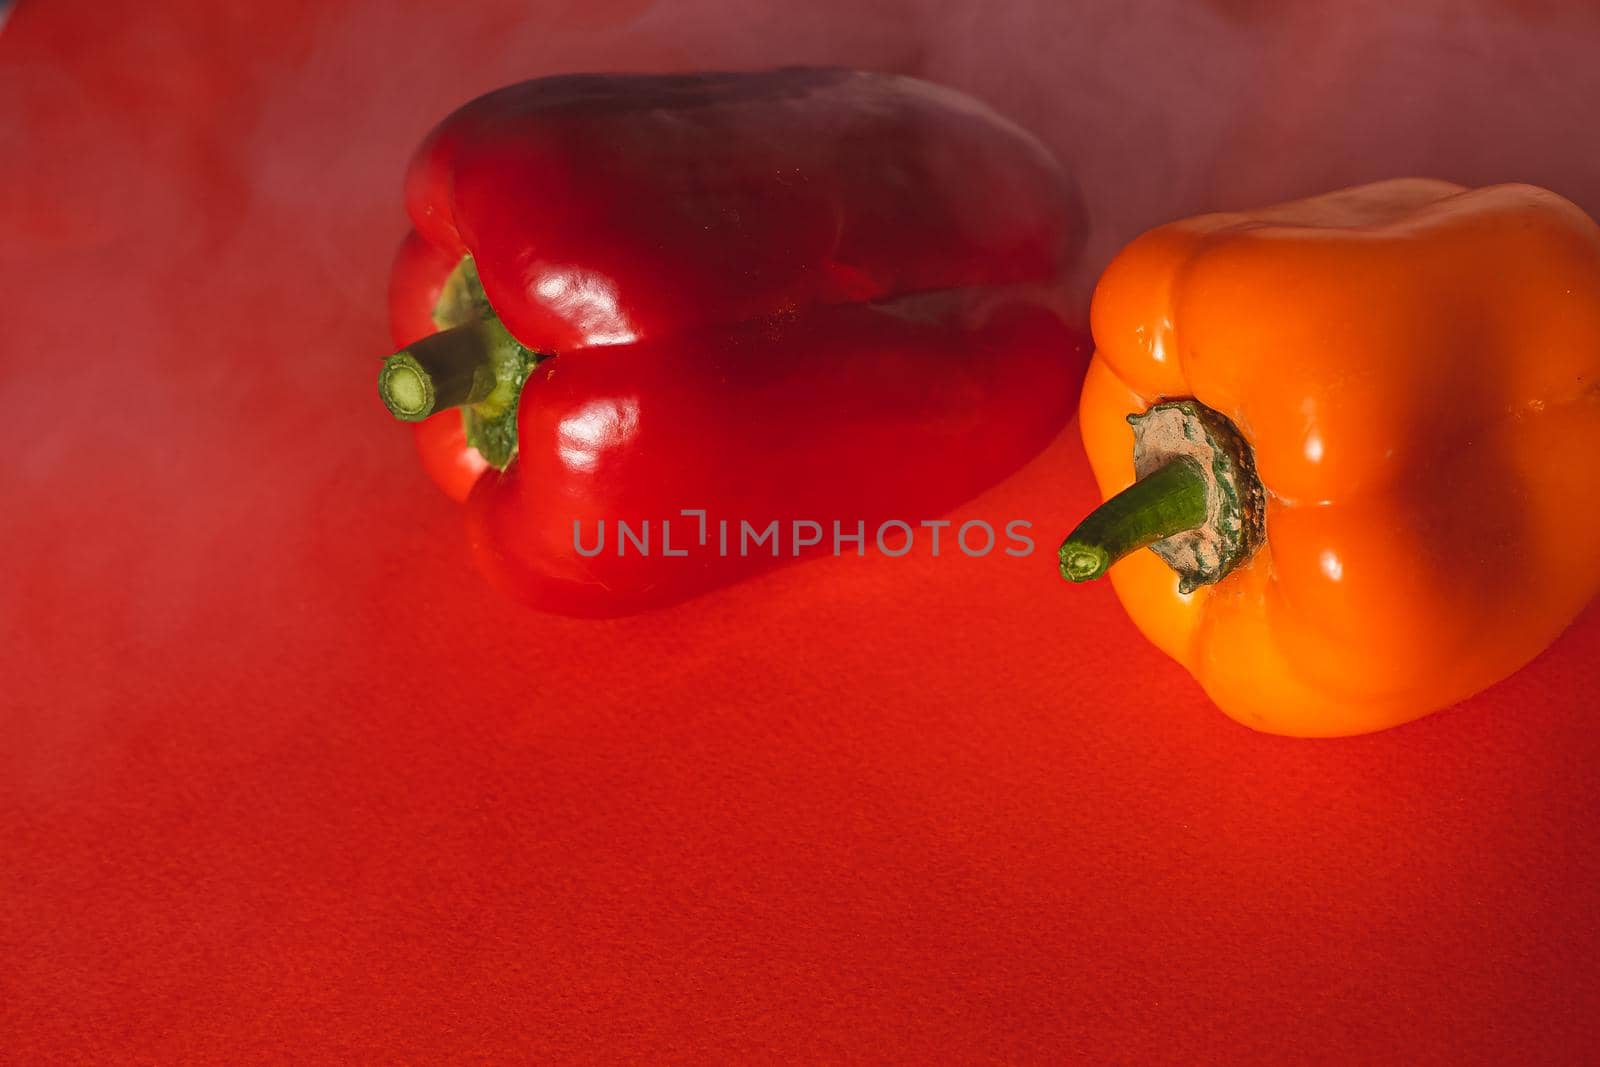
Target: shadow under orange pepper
1361,434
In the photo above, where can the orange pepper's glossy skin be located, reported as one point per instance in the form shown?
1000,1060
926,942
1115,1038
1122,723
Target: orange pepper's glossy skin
1417,368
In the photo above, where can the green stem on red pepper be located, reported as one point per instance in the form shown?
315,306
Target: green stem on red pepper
443,370
474,364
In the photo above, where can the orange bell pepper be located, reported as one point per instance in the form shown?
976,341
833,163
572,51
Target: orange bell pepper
1380,491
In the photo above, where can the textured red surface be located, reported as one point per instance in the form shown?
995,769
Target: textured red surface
279,779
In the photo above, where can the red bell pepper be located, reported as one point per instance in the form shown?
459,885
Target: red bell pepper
800,295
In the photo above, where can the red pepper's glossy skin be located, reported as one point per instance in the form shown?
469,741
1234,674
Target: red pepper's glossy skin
856,414
415,282
707,257
605,209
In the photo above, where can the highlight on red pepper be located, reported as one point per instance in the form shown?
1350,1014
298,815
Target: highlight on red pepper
797,295
1360,435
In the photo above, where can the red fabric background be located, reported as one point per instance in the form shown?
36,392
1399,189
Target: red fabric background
280,779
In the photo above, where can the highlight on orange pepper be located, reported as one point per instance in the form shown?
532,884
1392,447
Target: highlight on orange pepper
1360,434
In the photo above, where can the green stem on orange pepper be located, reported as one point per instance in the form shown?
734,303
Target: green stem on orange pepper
1168,501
